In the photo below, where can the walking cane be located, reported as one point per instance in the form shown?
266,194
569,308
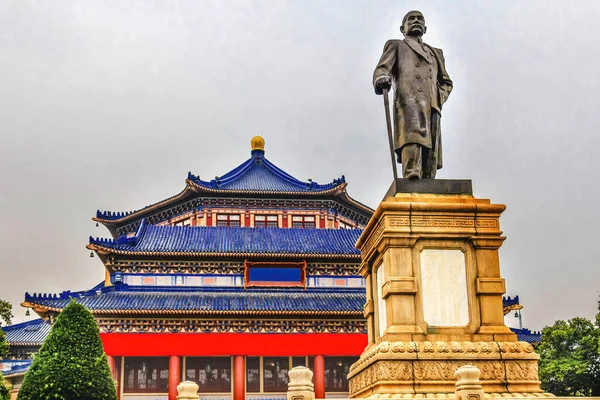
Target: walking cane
388,120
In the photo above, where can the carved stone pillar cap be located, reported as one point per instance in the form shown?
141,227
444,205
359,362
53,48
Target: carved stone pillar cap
467,375
187,390
300,379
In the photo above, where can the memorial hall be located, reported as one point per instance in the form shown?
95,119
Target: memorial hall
229,283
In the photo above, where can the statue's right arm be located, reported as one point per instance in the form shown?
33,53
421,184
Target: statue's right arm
382,77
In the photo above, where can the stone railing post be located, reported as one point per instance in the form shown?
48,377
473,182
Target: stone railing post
468,385
300,386
187,390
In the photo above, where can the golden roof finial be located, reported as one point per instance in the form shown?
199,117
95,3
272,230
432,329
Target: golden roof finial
257,143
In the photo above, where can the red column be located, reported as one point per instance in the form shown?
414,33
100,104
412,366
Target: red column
319,377
111,365
239,378
174,376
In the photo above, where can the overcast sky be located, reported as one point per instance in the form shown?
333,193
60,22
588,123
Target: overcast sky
108,104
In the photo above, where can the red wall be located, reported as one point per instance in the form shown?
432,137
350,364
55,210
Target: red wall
225,344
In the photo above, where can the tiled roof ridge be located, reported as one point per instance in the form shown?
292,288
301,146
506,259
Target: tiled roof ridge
510,301
115,215
122,239
227,178
313,185
525,331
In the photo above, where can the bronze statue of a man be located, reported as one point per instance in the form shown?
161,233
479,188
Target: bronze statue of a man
421,86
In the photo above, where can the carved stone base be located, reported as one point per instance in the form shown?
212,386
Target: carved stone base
452,396
418,368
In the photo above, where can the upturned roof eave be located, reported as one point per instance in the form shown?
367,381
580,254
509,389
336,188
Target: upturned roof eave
187,191
345,198
102,250
40,308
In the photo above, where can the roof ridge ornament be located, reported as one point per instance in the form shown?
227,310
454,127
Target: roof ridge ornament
257,143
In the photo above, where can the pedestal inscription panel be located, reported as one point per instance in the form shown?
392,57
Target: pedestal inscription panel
444,283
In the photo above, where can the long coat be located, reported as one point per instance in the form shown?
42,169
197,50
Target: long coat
416,90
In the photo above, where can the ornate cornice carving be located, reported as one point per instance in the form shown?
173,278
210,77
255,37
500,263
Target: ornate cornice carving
221,268
440,373
237,326
170,267
432,350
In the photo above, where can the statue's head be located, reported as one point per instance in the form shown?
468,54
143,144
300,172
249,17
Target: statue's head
413,24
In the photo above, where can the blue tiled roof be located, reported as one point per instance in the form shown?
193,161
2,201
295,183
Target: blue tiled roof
30,333
257,174
210,300
191,240
526,335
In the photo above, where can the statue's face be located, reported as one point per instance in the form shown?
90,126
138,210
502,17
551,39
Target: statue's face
414,24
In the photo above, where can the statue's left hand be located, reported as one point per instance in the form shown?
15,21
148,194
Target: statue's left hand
382,83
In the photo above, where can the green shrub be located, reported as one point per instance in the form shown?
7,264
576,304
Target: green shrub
4,389
71,364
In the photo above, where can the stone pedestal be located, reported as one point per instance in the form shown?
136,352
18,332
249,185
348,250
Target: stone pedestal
434,297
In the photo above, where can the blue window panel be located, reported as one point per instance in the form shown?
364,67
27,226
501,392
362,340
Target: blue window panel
273,274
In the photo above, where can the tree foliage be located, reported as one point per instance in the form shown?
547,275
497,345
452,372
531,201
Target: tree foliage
4,346
71,364
5,312
6,316
5,388
570,357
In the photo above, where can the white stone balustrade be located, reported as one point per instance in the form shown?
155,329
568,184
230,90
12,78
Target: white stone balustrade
300,386
468,385
187,390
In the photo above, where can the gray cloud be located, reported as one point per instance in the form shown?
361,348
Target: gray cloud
108,104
